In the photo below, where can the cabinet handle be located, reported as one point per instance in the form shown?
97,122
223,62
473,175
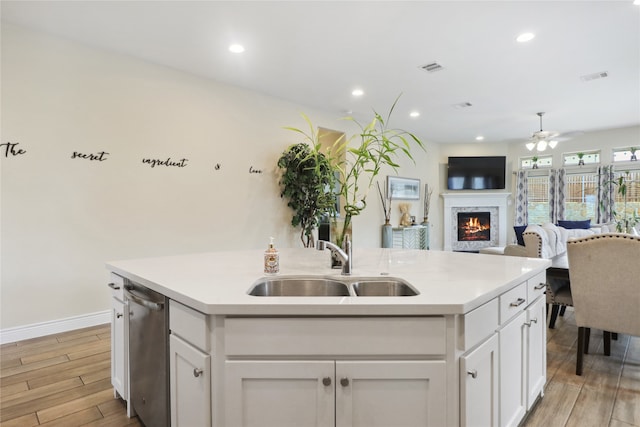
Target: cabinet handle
540,286
518,302
473,373
197,372
326,381
534,320
118,315
113,286
344,382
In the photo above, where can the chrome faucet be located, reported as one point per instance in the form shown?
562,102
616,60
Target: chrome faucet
345,254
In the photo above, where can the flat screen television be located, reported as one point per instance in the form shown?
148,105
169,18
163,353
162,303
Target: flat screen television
476,173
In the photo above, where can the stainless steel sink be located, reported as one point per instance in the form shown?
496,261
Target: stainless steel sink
383,288
299,287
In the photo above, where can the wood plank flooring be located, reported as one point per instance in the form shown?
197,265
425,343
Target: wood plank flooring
60,380
64,380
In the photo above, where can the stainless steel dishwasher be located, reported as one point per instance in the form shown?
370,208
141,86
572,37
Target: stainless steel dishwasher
148,354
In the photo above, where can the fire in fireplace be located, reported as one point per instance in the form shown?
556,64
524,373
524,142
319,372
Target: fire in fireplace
474,226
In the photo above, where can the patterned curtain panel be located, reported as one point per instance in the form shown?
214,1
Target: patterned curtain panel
521,217
606,194
557,189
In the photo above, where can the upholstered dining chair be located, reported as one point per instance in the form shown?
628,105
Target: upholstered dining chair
605,286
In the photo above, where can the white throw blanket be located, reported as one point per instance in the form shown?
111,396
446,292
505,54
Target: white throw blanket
553,239
557,237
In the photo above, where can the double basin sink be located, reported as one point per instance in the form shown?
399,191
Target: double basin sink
303,286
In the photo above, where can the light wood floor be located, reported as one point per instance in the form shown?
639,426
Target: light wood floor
60,380
64,380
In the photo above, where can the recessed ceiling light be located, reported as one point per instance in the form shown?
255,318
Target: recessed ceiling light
525,37
357,92
236,48
636,2
414,114
479,138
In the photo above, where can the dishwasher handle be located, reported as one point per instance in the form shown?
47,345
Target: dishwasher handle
155,306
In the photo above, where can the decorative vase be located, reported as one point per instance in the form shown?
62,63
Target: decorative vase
387,235
338,231
424,235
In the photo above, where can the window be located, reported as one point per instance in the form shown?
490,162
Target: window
581,158
581,196
625,154
540,161
538,199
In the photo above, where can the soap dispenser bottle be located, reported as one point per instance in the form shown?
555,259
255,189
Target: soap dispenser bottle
271,259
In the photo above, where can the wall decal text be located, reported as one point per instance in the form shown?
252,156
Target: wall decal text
11,148
101,156
156,162
252,170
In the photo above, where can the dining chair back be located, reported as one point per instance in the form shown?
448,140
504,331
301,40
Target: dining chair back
604,270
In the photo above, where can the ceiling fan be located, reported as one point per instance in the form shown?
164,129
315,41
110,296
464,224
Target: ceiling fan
543,138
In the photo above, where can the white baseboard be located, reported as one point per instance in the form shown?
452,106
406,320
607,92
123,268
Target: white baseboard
54,326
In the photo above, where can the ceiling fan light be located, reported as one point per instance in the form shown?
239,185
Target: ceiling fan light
553,143
542,145
531,145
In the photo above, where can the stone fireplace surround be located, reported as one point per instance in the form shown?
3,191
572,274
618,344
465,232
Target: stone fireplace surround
495,203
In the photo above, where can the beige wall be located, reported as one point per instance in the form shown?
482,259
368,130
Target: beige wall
62,218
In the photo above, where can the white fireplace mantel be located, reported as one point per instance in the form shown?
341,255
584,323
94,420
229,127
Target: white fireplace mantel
474,200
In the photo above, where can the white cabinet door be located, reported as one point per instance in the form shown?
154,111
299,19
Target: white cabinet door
279,393
190,384
118,348
390,393
537,354
513,350
479,397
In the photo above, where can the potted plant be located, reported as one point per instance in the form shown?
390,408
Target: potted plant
633,150
534,162
306,180
628,221
580,160
375,146
358,161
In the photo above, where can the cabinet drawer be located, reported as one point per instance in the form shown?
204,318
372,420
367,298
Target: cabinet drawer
190,325
374,336
513,302
480,323
116,284
536,286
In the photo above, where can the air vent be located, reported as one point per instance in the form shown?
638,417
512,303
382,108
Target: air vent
594,76
462,105
432,68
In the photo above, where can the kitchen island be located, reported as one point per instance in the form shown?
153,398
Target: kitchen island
469,348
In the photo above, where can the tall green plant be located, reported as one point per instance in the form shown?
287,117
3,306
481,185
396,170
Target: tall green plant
306,180
375,146
624,221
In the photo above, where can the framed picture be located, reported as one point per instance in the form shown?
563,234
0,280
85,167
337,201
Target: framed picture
403,188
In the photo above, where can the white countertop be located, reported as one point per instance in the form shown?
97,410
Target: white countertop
218,282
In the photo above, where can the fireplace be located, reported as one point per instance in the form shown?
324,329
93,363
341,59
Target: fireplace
474,226
474,220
